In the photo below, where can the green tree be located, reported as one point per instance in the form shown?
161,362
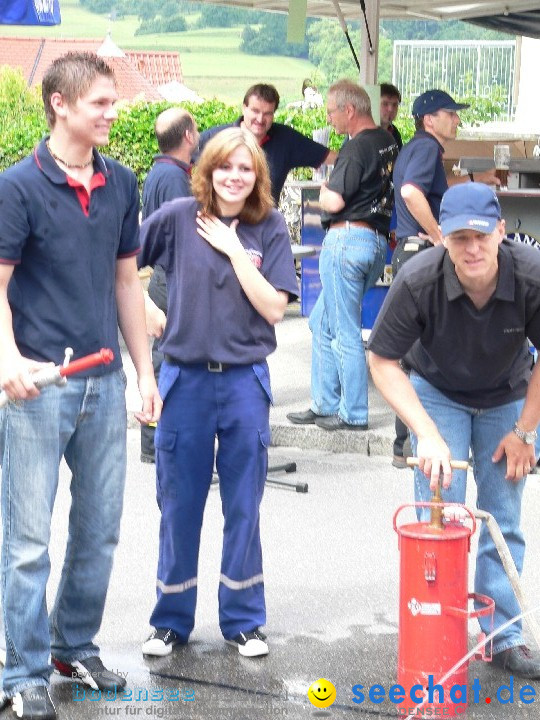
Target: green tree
271,38
221,16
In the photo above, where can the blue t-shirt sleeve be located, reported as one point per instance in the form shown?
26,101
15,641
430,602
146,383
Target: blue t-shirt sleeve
154,232
14,224
129,234
422,166
278,262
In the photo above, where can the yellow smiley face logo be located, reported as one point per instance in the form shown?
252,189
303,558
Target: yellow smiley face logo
321,693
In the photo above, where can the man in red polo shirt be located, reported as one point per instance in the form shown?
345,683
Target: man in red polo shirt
68,277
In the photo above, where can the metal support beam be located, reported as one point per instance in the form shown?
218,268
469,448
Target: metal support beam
368,60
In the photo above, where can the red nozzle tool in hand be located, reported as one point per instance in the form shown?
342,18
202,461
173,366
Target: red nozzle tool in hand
56,375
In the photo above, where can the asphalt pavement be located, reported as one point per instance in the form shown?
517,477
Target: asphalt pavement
331,576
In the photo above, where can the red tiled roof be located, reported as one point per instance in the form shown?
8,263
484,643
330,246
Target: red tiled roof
157,67
34,55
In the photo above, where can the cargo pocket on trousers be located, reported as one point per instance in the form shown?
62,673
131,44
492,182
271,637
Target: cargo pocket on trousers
265,436
166,475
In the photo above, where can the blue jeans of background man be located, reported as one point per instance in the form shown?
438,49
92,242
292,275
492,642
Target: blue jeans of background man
198,407
351,261
84,421
462,428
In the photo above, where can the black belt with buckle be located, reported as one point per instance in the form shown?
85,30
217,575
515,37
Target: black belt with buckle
211,365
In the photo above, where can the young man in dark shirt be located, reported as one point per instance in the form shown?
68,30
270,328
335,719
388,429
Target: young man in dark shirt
68,277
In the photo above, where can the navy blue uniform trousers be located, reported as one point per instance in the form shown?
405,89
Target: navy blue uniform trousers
200,405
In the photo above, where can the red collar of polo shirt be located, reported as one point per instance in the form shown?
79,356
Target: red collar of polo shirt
48,165
169,160
265,139
98,180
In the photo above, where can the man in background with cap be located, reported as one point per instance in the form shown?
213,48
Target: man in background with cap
419,184
460,314
419,176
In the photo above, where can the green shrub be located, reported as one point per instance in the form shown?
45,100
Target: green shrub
22,117
133,141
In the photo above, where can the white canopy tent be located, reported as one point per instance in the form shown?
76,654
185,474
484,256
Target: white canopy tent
519,17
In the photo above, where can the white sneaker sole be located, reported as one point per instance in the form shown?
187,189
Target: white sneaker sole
157,648
253,648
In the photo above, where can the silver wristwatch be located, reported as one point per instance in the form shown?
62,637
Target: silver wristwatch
528,437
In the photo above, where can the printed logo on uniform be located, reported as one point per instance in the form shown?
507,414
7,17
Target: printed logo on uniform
255,256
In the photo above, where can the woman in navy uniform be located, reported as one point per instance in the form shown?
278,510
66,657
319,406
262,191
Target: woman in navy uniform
230,274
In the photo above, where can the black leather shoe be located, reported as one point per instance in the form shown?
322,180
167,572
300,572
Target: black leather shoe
334,422
519,661
303,418
399,462
33,703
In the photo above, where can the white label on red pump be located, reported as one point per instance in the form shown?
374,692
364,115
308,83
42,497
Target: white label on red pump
420,608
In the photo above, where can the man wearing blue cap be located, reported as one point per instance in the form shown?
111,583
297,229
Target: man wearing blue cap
461,314
419,176
419,184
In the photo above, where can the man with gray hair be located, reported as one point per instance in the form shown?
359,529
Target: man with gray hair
169,178
357,204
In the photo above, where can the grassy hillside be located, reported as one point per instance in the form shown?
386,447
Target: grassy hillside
211,62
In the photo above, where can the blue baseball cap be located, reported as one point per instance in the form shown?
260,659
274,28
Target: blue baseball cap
469,206
432,100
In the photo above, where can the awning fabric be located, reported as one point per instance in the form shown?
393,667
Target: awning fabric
522,23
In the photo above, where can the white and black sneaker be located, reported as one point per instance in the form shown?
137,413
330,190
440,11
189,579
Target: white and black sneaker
92,672
33,703
161,642
250,644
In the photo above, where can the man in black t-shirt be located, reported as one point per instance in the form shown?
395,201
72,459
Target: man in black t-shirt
357,204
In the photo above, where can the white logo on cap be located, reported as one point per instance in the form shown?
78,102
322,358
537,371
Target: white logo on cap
482,223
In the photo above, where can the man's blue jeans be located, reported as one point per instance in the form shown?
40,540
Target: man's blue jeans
351,261
462,428
85,422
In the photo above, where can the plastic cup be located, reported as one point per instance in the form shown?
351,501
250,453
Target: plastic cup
501,157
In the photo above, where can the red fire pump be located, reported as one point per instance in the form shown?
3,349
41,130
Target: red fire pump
433,609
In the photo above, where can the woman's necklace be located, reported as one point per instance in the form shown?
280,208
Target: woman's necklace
71,166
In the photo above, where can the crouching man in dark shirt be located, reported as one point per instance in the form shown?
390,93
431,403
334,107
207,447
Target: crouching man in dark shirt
461,314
